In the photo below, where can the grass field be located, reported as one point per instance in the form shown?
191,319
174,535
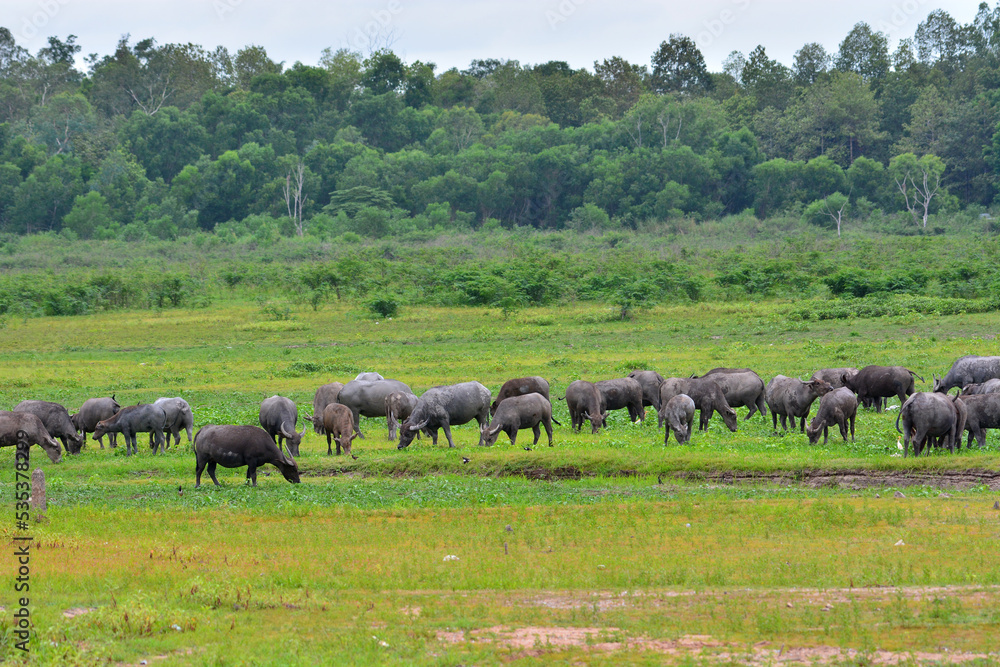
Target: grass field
607,549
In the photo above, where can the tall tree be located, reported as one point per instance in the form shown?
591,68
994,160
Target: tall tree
865,52
811,61
918,181
678,66
767,80
623,82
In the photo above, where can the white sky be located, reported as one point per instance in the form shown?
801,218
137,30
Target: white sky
451,34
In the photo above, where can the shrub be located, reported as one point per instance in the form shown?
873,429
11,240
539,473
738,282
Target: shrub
383,306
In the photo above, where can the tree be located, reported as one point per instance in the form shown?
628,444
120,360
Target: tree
918,181
294,198
767,80
940,40
89,215
831,207
383,72
623,82
46,195
733,65
924,132
678,66
811,61
66,118
865,52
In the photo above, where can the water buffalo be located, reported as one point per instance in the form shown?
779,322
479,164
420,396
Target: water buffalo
650,382
622,393
30,427
56,421
791,398
92,411
338,426
132,419
678,413
982,412
398,406
875,382
444,407
968,370
366,398
238,446
931,414
839,407
278,416
325,395
519,412
519,387
741,386
988,387
585,402
834,376
368,377
707,397
179,418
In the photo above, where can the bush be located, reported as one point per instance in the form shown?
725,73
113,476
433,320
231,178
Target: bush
383,306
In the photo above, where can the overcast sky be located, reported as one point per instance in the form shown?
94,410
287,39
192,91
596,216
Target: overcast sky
451,34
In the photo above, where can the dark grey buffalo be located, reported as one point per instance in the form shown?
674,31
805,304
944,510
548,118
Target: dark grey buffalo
976,388
179,418
585,403
969,369
325,395
238,446
741,386
519,412
366,398
834,376
707,397
444,407
876,382
678,413
278,416
31,429
369,377
338,426
930,414
650,382
56,421
622,394
92,411
839,407
398,406
791,398
519,387
982,413
132,419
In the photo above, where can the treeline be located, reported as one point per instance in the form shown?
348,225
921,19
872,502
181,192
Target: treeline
162,140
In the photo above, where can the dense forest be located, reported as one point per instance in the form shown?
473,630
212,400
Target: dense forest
158,141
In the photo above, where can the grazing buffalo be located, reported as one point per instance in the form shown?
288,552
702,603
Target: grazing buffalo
338,426
325,395
650,382
585,402
132,419
834,376
982,412
368,377
930,414
520,387
839,407
56,421
179,418
707,397
968,370
398,406
14,425
791,398
366,398
741,386
238,446
678,413
278,416
92,411
520,412
444,407
876,382
622,393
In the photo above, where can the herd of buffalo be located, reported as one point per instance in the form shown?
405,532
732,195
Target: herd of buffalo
933,418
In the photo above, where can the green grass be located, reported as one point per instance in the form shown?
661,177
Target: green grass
647,545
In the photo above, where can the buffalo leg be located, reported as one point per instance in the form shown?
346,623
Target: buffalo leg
199,467
252,473
446,427
537,430
513,436
329,448
548,431
211,472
